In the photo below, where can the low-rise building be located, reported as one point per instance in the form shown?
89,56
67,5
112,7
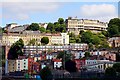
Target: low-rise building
36,67
11,66
54,48
98,63
17,65
114,42
57,63
30,65
107,54
79,63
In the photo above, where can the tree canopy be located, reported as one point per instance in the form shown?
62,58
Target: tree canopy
16,49
45,40
33,27
116,66
63,54
110,71
42,29
61,21
70,66
86,37
74,38
32,42
114,27
87,54
46,73
97,40
57,26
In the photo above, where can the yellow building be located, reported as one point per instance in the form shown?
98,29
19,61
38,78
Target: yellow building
76,25
61,38
16,65
11,66
26,36
9,39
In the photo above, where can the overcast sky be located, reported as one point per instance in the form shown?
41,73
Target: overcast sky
24,12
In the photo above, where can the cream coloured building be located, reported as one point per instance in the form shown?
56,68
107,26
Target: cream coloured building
17,65
26,36
76,25
61,38
11,66
8,39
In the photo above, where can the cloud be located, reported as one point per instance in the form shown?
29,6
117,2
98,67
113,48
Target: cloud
22,10
103,12
60,0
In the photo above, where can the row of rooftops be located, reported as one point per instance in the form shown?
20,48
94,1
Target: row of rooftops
86,20
32,33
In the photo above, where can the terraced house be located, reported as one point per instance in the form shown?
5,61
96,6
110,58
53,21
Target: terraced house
26,36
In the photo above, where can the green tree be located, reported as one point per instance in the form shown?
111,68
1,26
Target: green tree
81,31
42,29
60,55
46,73
57,26
45,40
87,54
50,26
105,33
70,66
114,21
91,46
63,54
114,27
110,72
95,39
116,66
104,44
16,49
33,27
71,34
47,31
113,30
78,40
73,38
86,37
61,21
32,42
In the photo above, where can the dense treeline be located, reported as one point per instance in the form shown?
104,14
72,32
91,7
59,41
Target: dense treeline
114,27
57,26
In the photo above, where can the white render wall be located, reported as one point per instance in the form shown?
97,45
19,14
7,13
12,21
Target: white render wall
90,62
57,64
22,64
65,38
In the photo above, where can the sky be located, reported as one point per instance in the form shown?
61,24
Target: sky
24,12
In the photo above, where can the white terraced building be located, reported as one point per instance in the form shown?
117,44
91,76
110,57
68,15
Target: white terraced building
76,25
